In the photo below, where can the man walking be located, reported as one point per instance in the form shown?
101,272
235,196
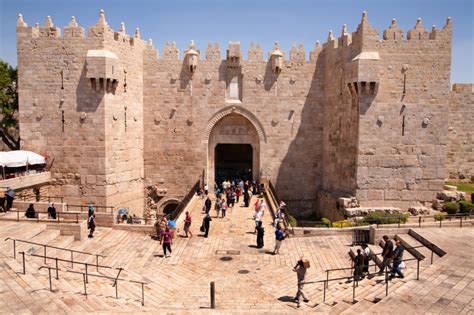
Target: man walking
387,253
91,225
208,204
397,260
10,197
206,222
300,269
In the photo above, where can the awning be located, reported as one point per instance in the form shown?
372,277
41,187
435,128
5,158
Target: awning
20,158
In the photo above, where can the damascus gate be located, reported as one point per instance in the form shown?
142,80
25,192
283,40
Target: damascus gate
365,114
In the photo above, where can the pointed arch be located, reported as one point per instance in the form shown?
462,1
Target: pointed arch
235,110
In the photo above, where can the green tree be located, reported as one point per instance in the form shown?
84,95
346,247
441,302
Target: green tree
9,106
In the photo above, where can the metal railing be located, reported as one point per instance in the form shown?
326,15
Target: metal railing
85,208
45,246
134,220
354,278
394,220
59,216
182,205
85,275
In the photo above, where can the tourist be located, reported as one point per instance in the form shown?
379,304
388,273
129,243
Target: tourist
257,205
279,237
258,219
367,256
233,196
262,207
238,193
260,234
206,222
206,189
2,199
91,224
10,197
300,268
51,211
166,240
218,206
276,219
397,258
223,209
187,224
208,204
90,210
246,198
387,253
358,265
30,212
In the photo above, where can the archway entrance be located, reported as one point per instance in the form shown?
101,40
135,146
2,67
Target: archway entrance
233,161
233,151
169,208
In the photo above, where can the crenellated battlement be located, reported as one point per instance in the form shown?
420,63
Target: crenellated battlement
364,36
100,30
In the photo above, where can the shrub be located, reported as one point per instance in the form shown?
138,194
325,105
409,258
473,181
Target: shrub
382,217
292,221
465,207
326,222
342,224
439,216
451,207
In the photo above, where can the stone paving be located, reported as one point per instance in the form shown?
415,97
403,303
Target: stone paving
253,281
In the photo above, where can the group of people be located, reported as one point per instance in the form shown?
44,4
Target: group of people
6,199
32,214
392,259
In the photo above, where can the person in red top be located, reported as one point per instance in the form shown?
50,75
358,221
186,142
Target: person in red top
187,224
166,240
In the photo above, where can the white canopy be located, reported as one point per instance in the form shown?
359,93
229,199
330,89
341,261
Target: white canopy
20,158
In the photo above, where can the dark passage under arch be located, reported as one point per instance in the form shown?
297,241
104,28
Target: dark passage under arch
233,161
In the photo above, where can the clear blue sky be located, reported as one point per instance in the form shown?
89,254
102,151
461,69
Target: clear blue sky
261,21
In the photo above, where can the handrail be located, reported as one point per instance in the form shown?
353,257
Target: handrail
85,276
174,215
360,223
69,261
355,279
37,218
278,200
55,247
86,207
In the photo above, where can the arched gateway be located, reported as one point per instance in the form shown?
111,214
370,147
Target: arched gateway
234,136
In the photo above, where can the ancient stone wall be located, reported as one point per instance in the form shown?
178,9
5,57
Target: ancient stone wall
70,89
181,109
362,117
460,158
402,132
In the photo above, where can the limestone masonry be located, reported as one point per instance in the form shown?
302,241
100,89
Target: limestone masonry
364,116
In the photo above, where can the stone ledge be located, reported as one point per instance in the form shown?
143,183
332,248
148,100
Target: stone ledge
79,231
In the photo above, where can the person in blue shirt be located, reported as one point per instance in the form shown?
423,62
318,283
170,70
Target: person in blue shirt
279,237
397,260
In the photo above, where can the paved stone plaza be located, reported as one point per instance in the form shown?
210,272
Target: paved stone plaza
254,281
